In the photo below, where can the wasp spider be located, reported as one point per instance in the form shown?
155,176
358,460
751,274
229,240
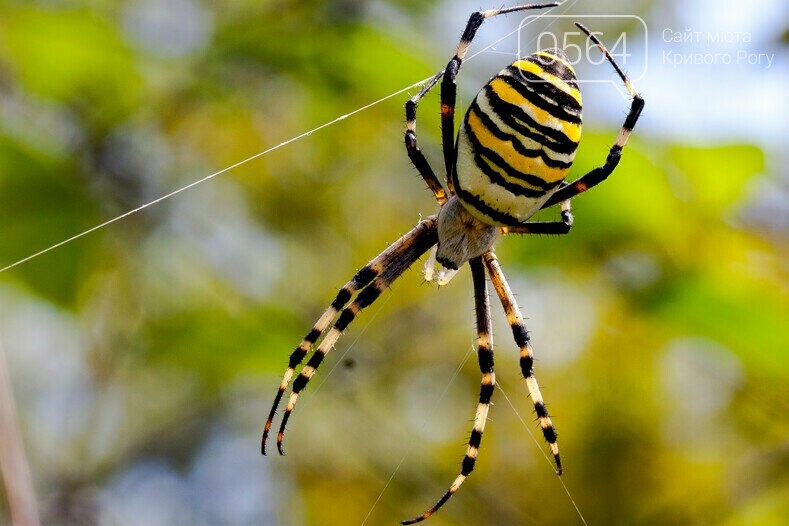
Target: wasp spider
509,159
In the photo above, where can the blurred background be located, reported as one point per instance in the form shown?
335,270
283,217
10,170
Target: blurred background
144,357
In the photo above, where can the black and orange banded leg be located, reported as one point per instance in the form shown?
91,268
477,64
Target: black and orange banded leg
414,152
449,85
521,335
362,278
448,100
485,357
410,248
358,282
600,174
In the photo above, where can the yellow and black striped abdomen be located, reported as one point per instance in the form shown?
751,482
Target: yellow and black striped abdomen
518,139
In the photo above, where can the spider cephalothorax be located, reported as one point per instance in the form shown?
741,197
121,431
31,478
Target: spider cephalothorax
461,236
509,159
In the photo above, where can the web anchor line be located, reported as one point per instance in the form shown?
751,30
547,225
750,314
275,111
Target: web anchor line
209,177
245,161
544,454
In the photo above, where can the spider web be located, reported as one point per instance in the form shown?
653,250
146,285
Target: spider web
490,48
287,142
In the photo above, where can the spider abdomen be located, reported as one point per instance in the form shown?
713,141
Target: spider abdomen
518,139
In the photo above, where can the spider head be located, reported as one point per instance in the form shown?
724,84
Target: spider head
461,236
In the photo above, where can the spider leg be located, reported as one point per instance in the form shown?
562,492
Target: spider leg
599,174
521,335
362,278
485,357
409,248
448,100
414,152
449,85
545,227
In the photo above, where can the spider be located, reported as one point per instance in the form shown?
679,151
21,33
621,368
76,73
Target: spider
508,160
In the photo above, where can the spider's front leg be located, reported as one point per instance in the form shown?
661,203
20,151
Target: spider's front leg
370,281
358,282
485,357
522,340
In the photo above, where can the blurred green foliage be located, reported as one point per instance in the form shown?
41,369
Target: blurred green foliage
659,323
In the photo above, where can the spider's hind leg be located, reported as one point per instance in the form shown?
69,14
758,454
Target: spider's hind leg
545,227
448,100
414,152
601,173
449,85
